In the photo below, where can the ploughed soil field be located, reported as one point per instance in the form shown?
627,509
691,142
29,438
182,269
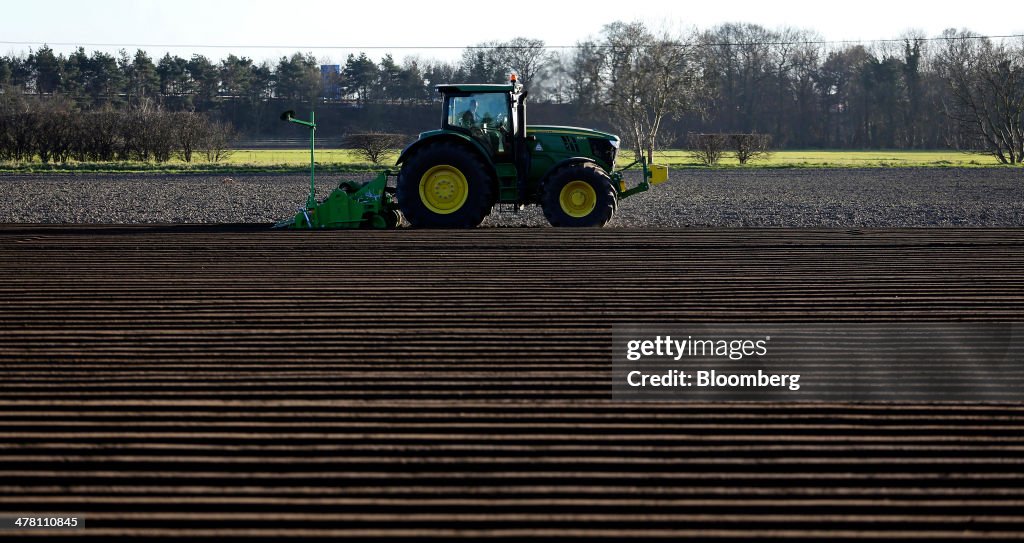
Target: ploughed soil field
827,198
233,383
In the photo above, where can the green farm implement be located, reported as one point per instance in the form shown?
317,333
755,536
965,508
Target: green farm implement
484,155
351,205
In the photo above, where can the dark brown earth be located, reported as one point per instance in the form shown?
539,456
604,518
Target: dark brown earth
818,198
231,383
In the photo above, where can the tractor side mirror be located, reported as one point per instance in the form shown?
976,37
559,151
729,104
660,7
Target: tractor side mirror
287,115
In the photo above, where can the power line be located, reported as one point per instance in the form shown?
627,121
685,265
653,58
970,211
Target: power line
475,47
235,46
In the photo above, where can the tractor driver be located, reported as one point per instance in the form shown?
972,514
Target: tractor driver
470,119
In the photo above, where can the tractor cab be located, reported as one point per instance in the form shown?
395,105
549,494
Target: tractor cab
494,117
489,113
484,116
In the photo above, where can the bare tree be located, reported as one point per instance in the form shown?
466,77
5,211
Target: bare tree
650,78
17,127
374,146
55,132
494,61
217,145
191,130
100,136
527,58
707,148
162,141
147,132
751,146
986,85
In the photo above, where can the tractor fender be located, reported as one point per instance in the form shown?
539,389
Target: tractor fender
567,162
457,138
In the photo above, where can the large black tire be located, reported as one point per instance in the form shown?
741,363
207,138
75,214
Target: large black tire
579,195
437,173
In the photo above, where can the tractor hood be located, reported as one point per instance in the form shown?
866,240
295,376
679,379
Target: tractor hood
547,129
569,131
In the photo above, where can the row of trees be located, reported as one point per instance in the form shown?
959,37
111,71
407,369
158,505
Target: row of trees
956,90
53,131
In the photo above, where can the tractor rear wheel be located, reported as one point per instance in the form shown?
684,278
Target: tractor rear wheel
579,195
444,186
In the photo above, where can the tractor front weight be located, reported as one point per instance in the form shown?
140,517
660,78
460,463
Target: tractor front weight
654,174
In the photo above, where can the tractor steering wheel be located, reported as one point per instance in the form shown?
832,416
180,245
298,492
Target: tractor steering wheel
501,123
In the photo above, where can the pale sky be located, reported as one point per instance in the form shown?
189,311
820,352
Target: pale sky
331,29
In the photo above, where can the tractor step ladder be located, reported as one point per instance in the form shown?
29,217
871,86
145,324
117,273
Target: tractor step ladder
508,183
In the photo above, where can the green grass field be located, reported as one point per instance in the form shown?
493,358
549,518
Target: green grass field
842,159
299,157
678,158
339,160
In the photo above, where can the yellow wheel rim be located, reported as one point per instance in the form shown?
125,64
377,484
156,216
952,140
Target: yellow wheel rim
443,189
577,199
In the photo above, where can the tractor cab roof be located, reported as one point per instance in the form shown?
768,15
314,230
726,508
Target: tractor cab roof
477,87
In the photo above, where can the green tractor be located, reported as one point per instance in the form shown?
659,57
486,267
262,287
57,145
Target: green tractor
485,154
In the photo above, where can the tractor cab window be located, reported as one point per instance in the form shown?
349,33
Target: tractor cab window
485,116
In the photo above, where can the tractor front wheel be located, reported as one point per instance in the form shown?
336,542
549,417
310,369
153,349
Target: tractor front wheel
579,195
444,186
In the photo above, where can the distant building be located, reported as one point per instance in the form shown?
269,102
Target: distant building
330,81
